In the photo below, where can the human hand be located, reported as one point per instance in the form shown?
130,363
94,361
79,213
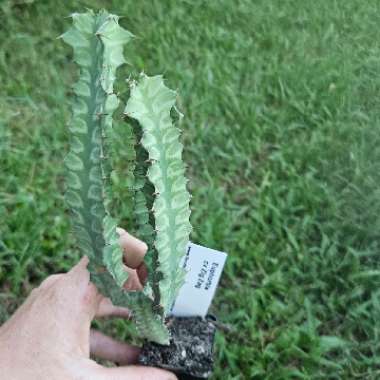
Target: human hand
50,337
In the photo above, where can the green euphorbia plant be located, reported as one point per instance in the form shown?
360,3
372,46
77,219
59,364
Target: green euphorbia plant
161,199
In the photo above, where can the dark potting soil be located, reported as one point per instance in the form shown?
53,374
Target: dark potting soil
190,353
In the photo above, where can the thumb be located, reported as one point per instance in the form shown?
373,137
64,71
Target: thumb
136,373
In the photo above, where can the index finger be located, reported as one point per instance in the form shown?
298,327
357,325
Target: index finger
133,248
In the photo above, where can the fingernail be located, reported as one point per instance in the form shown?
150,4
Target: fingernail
120,231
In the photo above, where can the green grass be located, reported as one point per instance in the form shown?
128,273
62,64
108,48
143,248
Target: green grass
282,141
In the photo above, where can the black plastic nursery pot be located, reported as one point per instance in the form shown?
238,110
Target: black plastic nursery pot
190,353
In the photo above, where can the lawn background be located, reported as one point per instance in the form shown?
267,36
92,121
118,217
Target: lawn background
281,135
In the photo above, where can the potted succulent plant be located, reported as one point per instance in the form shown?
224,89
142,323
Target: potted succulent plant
161,199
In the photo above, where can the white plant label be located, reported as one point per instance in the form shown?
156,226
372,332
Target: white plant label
204,267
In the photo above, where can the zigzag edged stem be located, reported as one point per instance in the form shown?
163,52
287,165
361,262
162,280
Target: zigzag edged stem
97,40
150,103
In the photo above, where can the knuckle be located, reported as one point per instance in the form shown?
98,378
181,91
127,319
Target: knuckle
91,297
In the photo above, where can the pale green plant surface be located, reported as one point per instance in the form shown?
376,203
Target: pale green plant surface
150,103
97,40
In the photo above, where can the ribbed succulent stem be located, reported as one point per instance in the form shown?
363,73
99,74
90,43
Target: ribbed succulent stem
97,40
161,199
143,210
150,103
